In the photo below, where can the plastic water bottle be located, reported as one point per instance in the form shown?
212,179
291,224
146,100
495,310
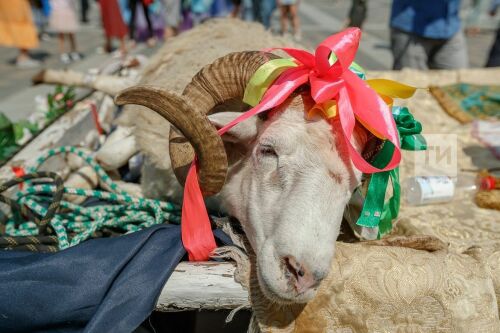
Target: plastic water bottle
422,190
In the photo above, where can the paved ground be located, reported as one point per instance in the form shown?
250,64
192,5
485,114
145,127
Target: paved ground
320,18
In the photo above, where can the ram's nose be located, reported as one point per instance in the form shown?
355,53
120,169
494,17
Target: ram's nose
300,275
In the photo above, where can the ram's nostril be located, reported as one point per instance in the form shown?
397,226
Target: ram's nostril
298,274
290,266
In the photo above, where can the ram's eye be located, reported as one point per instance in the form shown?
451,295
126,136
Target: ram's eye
266,150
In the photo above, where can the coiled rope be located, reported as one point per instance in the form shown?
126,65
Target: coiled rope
41,205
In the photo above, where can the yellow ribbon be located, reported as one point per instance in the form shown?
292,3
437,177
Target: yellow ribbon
327,110
388,90
264,78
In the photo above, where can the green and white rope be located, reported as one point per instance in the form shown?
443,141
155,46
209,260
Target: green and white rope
126,212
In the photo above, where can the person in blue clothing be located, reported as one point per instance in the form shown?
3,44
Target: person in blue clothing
427,34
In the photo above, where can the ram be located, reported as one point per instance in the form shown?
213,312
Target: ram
284,176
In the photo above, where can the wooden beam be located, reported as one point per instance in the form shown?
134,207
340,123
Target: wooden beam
205,285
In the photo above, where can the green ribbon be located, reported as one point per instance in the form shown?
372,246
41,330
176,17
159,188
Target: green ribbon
376,211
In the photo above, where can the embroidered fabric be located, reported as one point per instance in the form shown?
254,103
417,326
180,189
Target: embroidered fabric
390,289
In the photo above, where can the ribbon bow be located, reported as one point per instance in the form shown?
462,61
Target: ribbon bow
375,211
328,73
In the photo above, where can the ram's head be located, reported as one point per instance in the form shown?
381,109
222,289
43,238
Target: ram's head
287,178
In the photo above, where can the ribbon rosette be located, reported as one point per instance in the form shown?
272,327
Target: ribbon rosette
332,76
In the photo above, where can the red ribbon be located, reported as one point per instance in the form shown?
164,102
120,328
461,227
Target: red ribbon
355,100
95,117
18,172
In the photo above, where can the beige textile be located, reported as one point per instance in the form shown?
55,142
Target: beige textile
460,223
391,289
394,289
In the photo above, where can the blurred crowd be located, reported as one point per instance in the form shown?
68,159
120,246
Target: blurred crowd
24,23
424,34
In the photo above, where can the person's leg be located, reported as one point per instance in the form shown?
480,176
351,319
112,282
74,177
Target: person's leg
357,13
107,45
23,55
131,29
408,50
84,9
236,8
494,56
257,13
267,7
24,60
74,55
284,19
62,54
123,47
450,54
295,19
72,42
172,17
148,20
60,37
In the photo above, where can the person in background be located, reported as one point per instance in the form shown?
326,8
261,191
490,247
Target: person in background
267,7
257,13
357,13
113,24
200,10
18,30
494,56
236,8
133,9
427,34
84,9
41,11
173,17
261,11
289,9
63,21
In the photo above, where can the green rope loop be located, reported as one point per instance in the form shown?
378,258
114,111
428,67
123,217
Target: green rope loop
124,212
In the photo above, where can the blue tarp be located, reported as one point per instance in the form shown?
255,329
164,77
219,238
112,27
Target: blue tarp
101,285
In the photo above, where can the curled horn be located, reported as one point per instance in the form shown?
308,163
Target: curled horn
192,124
220,82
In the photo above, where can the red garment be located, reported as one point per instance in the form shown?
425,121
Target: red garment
112,20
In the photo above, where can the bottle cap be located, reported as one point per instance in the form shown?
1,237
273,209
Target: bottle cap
487,183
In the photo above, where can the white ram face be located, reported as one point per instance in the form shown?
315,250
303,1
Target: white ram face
289,182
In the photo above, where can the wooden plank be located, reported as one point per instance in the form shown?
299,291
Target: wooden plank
205,285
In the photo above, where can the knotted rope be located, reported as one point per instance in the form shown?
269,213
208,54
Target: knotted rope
70,222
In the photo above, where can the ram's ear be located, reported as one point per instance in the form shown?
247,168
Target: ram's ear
242,134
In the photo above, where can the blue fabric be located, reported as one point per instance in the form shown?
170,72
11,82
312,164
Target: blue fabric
201,6
436,19
495,4
101,285
46,8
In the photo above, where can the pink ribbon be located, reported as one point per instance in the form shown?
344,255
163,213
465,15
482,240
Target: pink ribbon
355,100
